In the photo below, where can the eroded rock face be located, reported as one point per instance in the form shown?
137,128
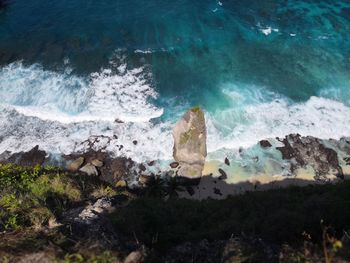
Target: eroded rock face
30,158
100,163
311,151
190,148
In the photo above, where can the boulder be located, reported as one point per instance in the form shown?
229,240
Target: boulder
223,175
190,148
97,163
265,144
144,179
121,184
89,169
174,165
76,164
114,170
134,257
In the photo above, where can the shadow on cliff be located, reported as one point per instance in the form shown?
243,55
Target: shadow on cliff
162,220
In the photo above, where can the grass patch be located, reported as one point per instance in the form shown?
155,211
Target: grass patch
31,196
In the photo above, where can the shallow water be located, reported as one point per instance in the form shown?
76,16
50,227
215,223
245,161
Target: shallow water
258,68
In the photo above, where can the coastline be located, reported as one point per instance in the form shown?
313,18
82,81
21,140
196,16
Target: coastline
300,161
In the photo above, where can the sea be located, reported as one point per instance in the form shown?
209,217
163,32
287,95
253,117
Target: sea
122,72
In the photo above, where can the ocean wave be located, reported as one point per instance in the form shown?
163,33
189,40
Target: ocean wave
244,124
141,141
116,93
62,113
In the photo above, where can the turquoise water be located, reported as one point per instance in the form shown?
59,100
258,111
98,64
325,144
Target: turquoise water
258,68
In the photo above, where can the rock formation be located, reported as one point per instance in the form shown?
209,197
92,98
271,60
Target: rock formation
28,159
311,151
190,149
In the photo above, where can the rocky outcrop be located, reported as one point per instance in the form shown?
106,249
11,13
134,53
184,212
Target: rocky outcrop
265,144
89,169
190,149
28,159
90,213
102,164
311,151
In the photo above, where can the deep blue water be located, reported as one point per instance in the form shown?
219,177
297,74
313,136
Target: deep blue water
258,68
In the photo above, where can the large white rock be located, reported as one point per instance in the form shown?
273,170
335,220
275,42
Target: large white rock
190,147
89,169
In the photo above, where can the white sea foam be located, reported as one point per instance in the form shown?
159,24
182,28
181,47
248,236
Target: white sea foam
267,30
20,133
147,51
108,95
60,111
244,124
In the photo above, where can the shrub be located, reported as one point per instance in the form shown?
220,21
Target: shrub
32,195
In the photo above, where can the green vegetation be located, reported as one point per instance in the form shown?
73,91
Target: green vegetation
296,220
196,109
104,257
32,196
185,136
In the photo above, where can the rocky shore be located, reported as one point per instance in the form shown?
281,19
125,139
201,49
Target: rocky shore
303,160
95,202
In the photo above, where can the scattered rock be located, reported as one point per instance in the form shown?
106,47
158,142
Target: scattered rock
118,121
76,164
97,163
265,144
134,257
134,142
227,161
121,184
255,159
311,151
144,179
88,214
89,169
174,165
114,170
151,163
142,167
190,149
223,175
